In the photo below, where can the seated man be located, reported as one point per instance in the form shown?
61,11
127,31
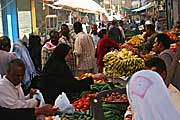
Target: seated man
12,95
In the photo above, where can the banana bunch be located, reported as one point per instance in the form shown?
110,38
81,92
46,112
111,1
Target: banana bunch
124,63
109,60
135,40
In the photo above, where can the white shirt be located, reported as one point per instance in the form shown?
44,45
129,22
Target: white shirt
13,96
175,96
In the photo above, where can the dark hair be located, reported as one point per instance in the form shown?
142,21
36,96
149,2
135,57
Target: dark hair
164,39
53,33
114,22
65,25
34,40
15,62
77,27
102,32
4,41
150,27
178,22
156,62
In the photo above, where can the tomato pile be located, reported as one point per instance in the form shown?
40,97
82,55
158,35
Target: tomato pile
83,103
171,36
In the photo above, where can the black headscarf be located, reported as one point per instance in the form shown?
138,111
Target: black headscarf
35,50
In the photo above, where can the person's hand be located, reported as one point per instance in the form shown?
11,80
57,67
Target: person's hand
32,92
47,110
99,76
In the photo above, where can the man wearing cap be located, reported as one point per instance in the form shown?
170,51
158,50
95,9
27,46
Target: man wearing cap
149,36
5,55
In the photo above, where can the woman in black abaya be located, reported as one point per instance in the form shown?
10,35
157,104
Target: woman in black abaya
57,77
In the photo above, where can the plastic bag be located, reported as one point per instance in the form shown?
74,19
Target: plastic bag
38,95
63,103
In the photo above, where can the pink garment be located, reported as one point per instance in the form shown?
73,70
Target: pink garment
50,46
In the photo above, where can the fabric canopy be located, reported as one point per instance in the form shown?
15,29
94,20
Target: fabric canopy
147,6
128,10
88,6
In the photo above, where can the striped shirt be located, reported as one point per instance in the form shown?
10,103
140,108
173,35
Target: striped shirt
85,50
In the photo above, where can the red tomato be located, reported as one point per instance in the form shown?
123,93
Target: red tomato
87,98
84,99
85,107
79,106
88,95
80,102
86,103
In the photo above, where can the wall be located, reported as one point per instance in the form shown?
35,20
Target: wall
24,17
9,19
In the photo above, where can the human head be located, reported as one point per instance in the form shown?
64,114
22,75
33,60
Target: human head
114,22
158,65
94,29
150,29
5,43
60,53
103,33
15,71
149,97
54,37
161,42
34,40
177,25
64,30
77,27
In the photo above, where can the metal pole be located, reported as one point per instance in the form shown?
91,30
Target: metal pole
167,16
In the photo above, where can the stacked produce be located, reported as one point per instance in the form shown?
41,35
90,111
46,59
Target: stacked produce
83,103
85,75
171,36
115,97
135,40
122,63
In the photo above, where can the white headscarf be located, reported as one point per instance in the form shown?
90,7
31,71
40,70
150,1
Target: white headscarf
150,98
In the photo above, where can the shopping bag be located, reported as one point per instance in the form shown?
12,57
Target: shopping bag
63,103
38,95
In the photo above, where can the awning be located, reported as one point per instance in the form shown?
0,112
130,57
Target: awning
126,9
147,6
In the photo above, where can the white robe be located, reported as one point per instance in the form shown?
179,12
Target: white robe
149,97
13,96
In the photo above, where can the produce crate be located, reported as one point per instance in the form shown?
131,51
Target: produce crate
121,105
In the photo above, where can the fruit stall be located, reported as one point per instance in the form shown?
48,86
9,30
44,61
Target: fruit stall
107,99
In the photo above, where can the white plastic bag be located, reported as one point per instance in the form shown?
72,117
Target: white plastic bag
38,95
62,102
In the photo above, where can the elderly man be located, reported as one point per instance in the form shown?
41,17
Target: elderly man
12,95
